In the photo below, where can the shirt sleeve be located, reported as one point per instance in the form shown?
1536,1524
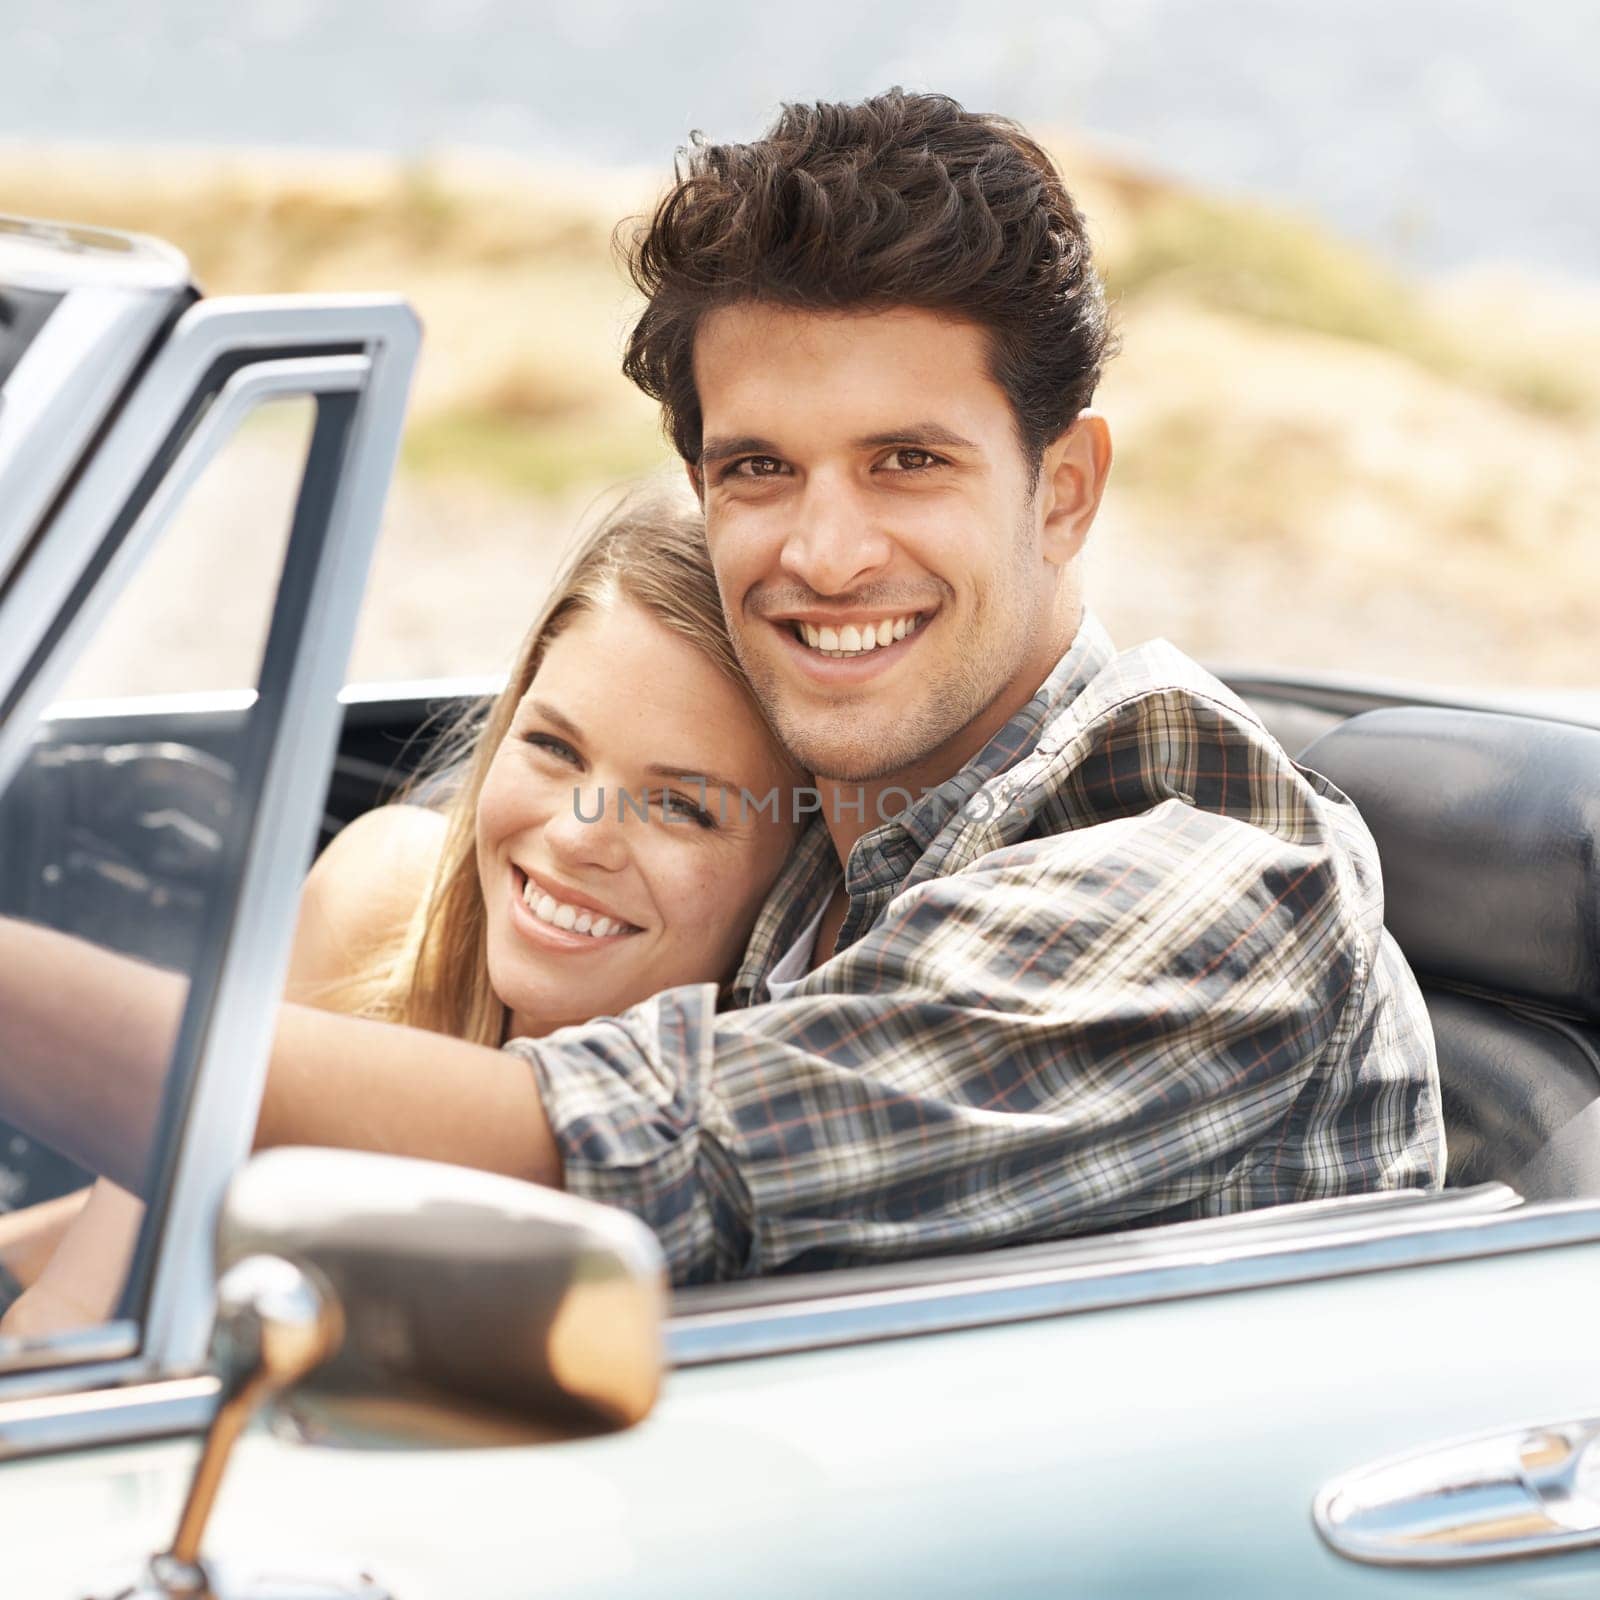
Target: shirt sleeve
1075,1032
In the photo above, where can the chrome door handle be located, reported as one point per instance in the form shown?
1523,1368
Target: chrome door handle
1523,1492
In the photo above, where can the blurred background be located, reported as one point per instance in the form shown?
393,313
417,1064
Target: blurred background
1354,251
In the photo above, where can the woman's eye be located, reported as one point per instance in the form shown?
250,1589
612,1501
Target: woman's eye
559,748
682,807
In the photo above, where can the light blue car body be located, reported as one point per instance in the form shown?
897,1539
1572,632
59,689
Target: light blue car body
1157,1414
1153,1450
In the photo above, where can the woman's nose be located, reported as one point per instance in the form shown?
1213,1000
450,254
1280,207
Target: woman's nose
587,831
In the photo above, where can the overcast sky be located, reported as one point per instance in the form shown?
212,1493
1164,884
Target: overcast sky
1448,133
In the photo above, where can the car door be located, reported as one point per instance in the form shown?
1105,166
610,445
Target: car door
1143,1414
1135,1414
118,386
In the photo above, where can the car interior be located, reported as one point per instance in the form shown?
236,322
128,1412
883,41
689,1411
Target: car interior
1488,826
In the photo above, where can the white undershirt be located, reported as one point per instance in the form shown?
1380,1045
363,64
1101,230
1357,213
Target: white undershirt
795,962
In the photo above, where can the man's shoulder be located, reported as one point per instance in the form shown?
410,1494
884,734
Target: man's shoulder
1143,678
1152,725
1156,765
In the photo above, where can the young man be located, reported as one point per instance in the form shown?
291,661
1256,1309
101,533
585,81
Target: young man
1072,943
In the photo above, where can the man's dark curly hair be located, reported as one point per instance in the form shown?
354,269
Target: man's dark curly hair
902,200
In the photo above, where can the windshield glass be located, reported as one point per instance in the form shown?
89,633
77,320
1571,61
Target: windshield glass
122,843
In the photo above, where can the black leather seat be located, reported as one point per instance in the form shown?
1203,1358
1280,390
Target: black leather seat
1489,831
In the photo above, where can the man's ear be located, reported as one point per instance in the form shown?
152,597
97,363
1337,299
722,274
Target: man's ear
1072,478
697,481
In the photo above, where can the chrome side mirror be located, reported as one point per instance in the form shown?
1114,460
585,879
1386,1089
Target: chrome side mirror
374,1298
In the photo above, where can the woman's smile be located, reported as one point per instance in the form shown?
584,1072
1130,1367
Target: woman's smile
559,918
659,887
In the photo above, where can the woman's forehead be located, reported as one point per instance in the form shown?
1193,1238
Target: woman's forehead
617,671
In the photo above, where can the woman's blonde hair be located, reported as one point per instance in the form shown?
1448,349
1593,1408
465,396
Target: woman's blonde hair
650,549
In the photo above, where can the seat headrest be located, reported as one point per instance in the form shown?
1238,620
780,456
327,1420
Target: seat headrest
1488,827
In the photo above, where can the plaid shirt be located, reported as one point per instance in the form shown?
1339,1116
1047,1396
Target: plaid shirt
1128,965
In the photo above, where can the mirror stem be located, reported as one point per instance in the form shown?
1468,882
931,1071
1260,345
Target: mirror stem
274,1324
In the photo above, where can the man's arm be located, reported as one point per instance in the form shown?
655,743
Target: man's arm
86,1035
1077,1032
354,1084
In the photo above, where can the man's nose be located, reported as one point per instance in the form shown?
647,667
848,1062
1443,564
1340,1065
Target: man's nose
835,542
588,831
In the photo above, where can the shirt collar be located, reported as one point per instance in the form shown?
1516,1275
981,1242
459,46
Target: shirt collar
889,850
807,880
1089,652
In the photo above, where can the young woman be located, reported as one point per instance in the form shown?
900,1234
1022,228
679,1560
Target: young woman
594,837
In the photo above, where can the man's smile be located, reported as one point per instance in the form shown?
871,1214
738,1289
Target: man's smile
853,637
853,649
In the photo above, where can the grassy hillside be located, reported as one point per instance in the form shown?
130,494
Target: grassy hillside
1320,462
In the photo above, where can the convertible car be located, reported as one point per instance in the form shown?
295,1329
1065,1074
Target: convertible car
1392,1395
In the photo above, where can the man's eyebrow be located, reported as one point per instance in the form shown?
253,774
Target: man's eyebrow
919,434
722,449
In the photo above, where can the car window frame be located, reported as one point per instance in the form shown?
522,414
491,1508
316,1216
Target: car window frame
353,356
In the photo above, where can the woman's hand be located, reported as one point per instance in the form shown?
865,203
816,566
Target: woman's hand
28,1237
79,1286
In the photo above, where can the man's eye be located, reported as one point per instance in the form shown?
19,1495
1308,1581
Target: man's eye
909,459
559,748
754,467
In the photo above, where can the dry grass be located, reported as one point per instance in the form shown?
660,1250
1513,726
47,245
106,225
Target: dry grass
1319,461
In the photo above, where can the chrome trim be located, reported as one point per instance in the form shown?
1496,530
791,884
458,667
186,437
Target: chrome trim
106,1416
46,253
201,702
1502,1495
40,1381
372,388
1129,1246
232,1070
1165,1268
42,589
205,334
182,703
58,392
105,1341
479,687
